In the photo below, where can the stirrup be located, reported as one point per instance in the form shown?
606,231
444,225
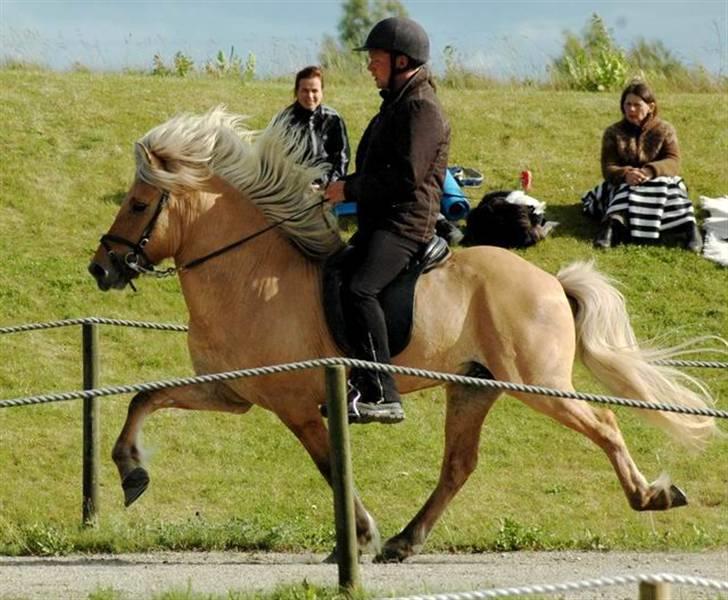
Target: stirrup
376,412
361,411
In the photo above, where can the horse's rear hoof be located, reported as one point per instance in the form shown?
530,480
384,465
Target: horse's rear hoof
395,550
134,485
332,558
387,556
677,497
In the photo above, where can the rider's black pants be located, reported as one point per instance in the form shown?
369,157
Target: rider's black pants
379,259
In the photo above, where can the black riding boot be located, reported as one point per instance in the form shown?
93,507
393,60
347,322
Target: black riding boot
613,231
693,239
372,397
605,235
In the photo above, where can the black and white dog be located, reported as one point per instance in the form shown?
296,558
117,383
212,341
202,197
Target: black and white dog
509,219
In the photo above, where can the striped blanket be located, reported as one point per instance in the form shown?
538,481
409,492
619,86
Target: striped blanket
652,207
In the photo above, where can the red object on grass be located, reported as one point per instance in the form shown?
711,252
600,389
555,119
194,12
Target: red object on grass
526,180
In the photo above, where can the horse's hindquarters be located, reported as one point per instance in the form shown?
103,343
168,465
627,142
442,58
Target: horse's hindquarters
488,306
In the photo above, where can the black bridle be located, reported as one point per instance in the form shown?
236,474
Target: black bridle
138,262
132,260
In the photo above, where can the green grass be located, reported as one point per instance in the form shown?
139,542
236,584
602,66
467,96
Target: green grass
303,591
220,481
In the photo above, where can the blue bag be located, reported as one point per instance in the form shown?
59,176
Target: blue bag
453,204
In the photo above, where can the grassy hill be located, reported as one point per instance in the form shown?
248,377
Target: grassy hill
220,481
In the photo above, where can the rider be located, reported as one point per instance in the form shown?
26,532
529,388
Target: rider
398,183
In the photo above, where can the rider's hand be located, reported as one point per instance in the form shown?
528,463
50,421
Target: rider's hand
334,192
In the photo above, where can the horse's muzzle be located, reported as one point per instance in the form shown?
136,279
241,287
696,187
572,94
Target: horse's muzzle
107,278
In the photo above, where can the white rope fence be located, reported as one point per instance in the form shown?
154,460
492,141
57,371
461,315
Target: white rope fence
573,586
93,321
708,364
351,362
89,394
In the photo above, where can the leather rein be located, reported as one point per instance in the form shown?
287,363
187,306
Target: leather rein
137,261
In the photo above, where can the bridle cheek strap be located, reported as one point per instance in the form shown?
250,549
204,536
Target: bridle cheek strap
133,259
132,262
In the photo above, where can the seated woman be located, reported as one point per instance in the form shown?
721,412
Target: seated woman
321,128
643,195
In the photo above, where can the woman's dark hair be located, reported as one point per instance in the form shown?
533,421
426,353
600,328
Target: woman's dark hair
641,89
308,73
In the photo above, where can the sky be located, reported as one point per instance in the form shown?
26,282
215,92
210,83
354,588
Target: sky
503,38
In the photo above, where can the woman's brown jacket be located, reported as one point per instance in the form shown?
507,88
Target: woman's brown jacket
652,146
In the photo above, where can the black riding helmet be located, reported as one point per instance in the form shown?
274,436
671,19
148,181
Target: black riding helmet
399,35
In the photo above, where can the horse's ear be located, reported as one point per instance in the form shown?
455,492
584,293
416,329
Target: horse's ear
152,159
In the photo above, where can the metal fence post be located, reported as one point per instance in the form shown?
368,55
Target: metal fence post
655,591
347,549
90,484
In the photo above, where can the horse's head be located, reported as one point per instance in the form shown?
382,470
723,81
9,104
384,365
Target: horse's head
136,240
188,154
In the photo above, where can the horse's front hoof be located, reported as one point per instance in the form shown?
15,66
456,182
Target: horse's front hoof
662,495
134,485
677,497
395,550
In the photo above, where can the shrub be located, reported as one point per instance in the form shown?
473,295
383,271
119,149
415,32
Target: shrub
656,63
231,65
182,65
593,63
158,67
247,73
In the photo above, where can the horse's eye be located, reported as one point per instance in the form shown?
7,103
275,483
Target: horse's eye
138,207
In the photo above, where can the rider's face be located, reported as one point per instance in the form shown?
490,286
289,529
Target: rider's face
309,93
380,68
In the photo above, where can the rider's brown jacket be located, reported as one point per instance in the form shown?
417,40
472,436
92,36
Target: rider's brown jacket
401,162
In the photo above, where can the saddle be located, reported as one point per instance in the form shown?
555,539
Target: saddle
397,299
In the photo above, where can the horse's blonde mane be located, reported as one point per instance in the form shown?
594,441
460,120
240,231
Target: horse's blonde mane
267,166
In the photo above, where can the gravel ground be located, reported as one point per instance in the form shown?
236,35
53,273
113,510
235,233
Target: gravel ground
139,576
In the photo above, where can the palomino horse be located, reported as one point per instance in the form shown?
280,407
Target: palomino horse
202,183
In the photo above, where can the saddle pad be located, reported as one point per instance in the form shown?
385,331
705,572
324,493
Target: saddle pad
397,299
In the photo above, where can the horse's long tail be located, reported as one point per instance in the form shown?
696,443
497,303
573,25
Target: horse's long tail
608,347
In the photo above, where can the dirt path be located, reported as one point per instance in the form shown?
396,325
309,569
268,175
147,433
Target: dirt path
139,576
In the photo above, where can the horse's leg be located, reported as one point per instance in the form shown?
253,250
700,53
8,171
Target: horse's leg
127,452
600,426
309,428
541,352
467,407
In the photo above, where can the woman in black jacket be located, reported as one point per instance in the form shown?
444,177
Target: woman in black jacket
321,128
